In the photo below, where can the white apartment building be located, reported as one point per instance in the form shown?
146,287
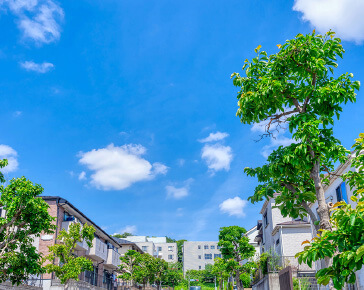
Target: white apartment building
156,247
196,255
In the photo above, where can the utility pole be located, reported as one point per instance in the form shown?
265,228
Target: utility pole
215,283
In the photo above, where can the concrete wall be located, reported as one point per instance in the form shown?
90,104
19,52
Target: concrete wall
164,250
268,282
292,238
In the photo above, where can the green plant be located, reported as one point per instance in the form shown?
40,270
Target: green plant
301,283
245,279
70,266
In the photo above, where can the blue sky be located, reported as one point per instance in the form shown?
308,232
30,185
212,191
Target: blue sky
126,108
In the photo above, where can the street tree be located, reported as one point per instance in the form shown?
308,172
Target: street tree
173,276
235,248
62,260
158,268
127,266
296,89
345,243
144,270
24,217
220,271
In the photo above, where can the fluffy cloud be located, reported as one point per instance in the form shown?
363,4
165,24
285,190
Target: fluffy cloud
342,16
6,152
179,192
116,168
38,20
217,157
213,137
275,143
128,229
37,67
82,176
233,206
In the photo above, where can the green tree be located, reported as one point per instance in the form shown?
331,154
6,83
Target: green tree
173,276
25,216
179,250
235,248
68,266
158,268
144,270
220,271
296,87
122,236
345,243
127,266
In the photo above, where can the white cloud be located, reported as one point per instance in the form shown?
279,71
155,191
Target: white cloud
213,137
37,67
179,192
233,206
345,17
179,212
39,20
128,229
82,176
6,152
181,162
116,168
217,157
275,143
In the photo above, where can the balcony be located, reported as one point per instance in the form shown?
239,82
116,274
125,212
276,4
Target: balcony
80,246
113,259
98,251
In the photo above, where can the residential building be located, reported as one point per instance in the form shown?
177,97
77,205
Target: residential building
251,234
279,234
104,253
157,247
196,255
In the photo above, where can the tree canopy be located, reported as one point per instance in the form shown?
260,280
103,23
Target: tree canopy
24,217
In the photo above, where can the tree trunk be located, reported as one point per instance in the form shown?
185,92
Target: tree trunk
237,280
220,284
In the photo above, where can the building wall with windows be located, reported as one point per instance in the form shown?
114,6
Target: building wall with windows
167,251
196,255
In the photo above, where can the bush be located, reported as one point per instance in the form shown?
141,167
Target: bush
245,279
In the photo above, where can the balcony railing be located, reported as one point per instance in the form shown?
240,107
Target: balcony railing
113,259
80,246
98,251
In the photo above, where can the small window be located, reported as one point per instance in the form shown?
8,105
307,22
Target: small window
170,257
199,247
277,242
341,193
199,267
217,256
206,247
145,248
199,257
218,247
212,247
159,249
208,256
265,218
170,248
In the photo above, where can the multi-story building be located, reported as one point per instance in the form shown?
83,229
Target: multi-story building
105,252
157,247
196,255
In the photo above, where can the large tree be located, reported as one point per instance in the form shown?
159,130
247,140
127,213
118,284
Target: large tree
345,243
62,259
24,217
220,271
235,248
296,88
128,264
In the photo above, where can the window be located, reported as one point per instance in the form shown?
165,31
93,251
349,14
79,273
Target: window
159,249
199,257
206,247
218,247
67,217
341,193
170,257
145,248
212,247
265,218
217,256
277,242
208,256
199,267
170,248
199,247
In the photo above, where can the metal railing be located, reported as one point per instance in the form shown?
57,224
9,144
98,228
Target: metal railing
277,263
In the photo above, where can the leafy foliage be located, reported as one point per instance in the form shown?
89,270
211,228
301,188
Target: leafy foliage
70,266
122,236
345,243
25,217
296,88
235,248
128,264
